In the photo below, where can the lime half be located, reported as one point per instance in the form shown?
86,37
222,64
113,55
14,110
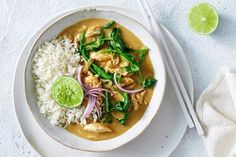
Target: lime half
203,18
67,92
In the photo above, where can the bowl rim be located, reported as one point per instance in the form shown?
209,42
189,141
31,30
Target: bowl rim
63,15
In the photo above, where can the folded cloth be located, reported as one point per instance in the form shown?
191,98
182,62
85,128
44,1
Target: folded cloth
216,110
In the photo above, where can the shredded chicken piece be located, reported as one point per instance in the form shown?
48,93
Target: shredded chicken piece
109,62
108,84
117,114
80,30
86,65
122,72
97,127
117,96
111,65
130,75
131,86
123,63
94,30
92,80
138,99
101,57
99,101
126,81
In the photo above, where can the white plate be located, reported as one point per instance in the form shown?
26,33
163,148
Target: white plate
52,29
160,138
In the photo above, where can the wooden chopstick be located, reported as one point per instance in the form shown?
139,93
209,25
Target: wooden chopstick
172,70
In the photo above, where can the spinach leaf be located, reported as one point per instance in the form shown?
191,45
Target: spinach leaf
123,120
101,72
82,38
140,77
94,45
126,102
123,106
81,48
107,118
107,109
132,68
149,82
119,106
117,42
142,53
142,50
108,106
108,25
93,67
118,46
118,78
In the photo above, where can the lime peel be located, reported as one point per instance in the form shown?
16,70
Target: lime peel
203,19
67,92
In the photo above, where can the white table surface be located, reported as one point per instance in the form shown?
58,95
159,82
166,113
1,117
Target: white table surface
20,19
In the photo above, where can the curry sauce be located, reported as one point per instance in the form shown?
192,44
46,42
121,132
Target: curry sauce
147,71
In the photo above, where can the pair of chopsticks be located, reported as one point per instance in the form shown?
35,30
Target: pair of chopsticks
177,83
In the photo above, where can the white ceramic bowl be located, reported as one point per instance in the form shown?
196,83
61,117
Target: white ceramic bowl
52,29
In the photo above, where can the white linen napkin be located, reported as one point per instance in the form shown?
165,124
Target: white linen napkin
216,110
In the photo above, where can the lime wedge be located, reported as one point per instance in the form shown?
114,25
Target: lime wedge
203,18
67,92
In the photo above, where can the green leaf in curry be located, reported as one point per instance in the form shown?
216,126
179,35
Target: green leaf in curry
142,50
140,77
127,102
132,68
118,78
107,118
117,42
93,67
118,46
108,106
149,82
101,72
108,25
95,45
107,109
123,105
81,48
142,54
123,120
118,106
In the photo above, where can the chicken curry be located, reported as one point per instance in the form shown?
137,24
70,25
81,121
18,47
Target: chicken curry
117,77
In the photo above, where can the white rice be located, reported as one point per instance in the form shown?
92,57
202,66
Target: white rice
53,59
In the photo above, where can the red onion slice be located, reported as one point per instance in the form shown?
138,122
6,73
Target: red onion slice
97,89
97,111
90,106
126,90
91,95
84,86
94,93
